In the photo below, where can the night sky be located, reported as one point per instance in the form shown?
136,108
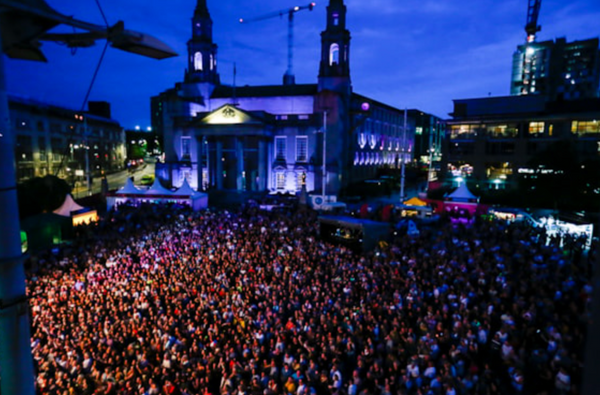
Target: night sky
413,53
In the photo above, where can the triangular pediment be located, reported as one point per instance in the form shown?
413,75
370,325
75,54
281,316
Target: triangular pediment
229,115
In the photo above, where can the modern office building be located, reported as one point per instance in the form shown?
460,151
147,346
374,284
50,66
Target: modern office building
429,134
559,70
275,138
53,140
492,140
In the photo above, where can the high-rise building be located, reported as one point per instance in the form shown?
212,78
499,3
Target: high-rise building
557,69
275,138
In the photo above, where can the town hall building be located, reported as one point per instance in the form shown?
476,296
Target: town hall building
276,138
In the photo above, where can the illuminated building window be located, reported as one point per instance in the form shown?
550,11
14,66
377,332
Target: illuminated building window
211,61
185,147
536,127
463,131
300,178
280,180
585,127
502,131
334,54
301,148
336,19
198,61
280,147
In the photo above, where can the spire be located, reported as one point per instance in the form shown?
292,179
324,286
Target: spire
334,69
202,52
201,9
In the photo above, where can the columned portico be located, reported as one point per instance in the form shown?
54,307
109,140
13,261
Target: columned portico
234,144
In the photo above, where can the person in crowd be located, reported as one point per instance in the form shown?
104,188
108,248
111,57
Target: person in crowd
161,300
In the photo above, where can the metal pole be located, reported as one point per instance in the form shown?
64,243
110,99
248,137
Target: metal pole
402,175
290,71
87,156
16,363
324,181
431,149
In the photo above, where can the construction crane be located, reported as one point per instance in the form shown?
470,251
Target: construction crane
532,27
288,77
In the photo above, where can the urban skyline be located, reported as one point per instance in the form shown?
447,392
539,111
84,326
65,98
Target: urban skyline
416,55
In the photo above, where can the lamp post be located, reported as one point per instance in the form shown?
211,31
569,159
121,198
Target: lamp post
431,150
402,171
324,181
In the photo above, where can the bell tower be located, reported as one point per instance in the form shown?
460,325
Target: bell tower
334,69
202,52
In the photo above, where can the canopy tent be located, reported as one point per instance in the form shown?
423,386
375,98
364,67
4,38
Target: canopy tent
415,202
415,207
157,190
158,194
129,189
462,194
68,207
198,200
128,193
78,214
462,204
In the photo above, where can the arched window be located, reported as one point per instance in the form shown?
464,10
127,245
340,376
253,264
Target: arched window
198,61
211,61
334,54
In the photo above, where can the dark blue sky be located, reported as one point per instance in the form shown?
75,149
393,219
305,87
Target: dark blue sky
411,53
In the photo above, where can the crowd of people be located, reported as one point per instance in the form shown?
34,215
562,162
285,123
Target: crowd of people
161,300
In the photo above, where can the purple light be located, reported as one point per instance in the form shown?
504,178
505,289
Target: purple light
365,106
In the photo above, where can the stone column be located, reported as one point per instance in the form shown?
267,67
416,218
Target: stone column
262,165
239,153
219,165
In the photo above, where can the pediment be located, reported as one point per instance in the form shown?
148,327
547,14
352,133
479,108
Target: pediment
229,115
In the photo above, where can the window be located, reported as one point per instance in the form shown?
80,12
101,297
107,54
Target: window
185,147
300,179
336,19
40,126
56,128
280,180
463,131
502,131
334,54
198,61
301,148
24,148
211,61
57,148
21,124
463,148
280,147
585,127
42,148
536,128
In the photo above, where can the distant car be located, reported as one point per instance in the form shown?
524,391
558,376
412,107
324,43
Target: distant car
148,179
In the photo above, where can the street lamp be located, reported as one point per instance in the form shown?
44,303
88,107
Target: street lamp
402,171
324,181
23,24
